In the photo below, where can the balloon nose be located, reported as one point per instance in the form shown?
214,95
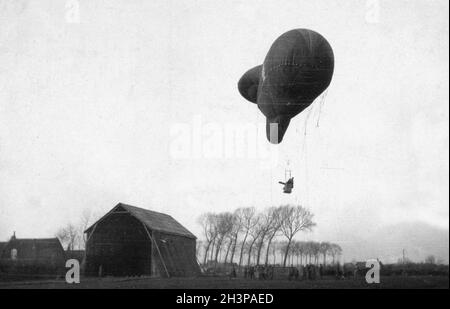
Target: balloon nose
276,128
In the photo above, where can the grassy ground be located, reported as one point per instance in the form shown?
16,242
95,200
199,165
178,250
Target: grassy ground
227,283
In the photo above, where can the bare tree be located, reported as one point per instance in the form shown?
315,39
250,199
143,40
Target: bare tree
274,249
302,250
224,224
281,246
275,213
431,259
324,249
198,248
309,251
213,246
207,221
231,235
238,221
85,221
255,233
229,240
294,220
316,251
267,223
248,222
244,248
295,251
298,250
335,251
69,236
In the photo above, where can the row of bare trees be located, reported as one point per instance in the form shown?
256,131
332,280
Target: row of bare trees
246,234
310,252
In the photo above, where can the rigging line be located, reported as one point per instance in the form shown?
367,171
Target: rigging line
305,153
305,132
271,180
322,102
306,119
306,174
316,110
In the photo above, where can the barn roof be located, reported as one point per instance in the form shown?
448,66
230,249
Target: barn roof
153,220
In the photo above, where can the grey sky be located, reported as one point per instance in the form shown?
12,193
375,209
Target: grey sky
89,112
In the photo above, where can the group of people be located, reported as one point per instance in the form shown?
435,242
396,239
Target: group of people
301,272
313,272
263,272
305,272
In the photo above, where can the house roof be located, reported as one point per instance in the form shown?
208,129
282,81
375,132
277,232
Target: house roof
2,245
36,248
153,220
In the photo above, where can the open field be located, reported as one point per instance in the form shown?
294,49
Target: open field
412,282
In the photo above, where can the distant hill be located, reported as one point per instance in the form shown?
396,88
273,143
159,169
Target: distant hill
418,239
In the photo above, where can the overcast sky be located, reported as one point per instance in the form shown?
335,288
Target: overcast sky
131,101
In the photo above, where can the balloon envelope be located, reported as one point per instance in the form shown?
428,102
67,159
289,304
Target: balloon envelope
297,69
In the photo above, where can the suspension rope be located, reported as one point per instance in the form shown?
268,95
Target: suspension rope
322,102
305,152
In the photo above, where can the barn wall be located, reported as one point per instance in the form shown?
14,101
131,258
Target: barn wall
119,246
178,253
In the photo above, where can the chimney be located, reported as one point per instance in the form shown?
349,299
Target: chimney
14,236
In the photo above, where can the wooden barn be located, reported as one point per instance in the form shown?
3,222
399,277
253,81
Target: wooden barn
32,258
131,241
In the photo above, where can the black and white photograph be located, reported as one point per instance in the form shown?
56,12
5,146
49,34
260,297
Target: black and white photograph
212,145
